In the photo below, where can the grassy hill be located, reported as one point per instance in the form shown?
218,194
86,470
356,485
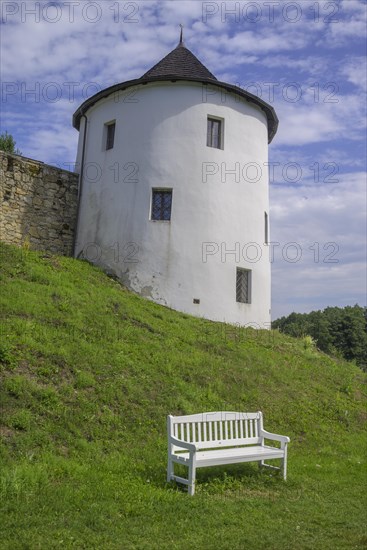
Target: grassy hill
89,372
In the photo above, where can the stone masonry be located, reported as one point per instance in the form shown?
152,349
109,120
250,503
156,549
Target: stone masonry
38,204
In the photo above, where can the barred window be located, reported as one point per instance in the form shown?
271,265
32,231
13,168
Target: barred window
161,204
243,285
214,133
110,135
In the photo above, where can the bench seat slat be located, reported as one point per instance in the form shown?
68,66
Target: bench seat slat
232,456
220,444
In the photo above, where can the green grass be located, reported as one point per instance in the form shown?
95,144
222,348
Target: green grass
89,372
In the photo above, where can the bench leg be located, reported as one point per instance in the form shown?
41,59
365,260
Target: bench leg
192,475
261,463
284,468
170,469
284,464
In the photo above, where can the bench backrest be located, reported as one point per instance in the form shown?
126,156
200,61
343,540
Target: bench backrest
217,429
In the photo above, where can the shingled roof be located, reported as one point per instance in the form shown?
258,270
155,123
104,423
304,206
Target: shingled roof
179,62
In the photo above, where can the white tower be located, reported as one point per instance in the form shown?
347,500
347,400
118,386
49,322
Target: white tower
173,192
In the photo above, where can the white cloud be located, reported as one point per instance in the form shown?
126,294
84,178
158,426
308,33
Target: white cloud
351,23
302,124
328,224
355,70
333,116
305,64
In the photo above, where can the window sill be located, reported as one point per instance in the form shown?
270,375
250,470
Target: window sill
216,148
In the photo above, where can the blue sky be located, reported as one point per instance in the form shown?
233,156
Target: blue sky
306,58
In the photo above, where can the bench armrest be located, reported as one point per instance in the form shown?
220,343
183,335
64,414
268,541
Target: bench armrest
183,444
274,437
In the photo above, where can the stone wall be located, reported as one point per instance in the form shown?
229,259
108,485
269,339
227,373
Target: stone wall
38,204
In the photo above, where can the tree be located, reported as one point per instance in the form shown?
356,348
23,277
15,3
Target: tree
336,330
7,144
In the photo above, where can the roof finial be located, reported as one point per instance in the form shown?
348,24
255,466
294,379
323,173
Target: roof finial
181,43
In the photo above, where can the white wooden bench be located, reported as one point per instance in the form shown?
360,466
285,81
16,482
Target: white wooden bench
215,438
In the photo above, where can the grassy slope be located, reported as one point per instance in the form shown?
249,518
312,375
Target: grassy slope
89,372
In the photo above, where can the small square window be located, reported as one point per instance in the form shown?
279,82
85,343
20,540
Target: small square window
161,204
214,133
110,135
243,286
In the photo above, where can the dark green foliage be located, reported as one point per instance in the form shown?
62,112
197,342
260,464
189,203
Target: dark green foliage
337,331
8,144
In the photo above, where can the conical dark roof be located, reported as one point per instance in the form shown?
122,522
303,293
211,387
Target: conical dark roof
179,62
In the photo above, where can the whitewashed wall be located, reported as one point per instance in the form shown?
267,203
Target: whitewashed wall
160,141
